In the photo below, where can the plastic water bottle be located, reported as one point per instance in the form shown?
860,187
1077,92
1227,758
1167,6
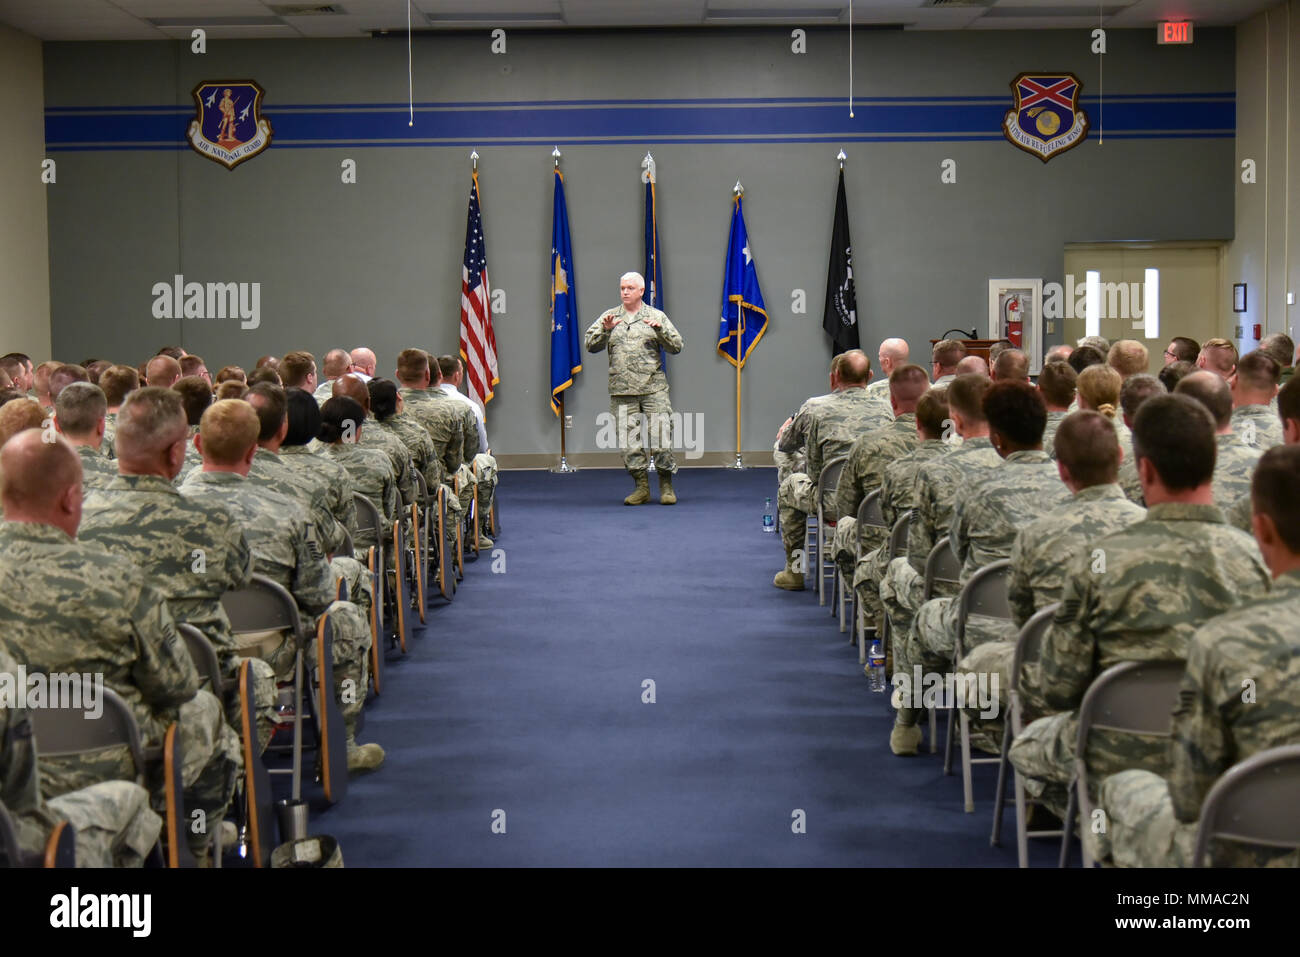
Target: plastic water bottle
876,659
769,524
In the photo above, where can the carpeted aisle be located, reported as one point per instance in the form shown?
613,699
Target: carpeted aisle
524,696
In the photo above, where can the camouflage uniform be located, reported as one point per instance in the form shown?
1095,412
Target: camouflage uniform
897,495
1154,583
1054,420
324,392
1257,426
1217,724
416,438
937,485
832,429
1234,464
478,468
637,384
985,520
109,446
399,457
1039,558
114,824
863,474
790,450
372,477
1129,481
1239,514
96,468
193,460
287,551
437,412
71,606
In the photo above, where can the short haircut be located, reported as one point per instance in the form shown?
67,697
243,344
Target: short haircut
1098,386
295,367
304,417
908,383
271,361
1128,357
947,353
1175,433
1184,348
265,375
22,357
1085,356
448,365
855,367
9,395
1174,373
162,371
340,415
1011,363
636,276
268,402
18,416
1100,343
972,364
41,376
174,352
1281,347
35,472
997,348
1275,492
932,412
1059,352
353,388
118,382
383,398
1087,444
1220,355
95,368
79,408
1015,409
1056,382
966,396
1288,400
150,420
64,376
336,363
1136,390
191,364
228,429
231,389
230,372
411,365
13,366
1212,392
196,396
1258,371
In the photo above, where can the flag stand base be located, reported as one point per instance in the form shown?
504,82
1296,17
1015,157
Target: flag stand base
738,465
564,468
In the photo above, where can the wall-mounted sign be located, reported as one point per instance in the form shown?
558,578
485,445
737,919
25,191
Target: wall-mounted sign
229,127
1046,118
1174,31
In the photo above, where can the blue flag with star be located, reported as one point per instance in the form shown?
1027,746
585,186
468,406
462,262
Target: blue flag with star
744,317
566,348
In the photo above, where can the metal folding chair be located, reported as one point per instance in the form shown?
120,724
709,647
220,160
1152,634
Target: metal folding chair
985,593
60,847
1133,697
1253,803
941,567
869,516
827,482
897,547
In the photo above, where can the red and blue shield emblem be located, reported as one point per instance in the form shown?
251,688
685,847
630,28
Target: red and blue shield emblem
229,127
1047,118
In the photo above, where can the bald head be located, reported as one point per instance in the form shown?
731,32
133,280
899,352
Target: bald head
1011,365
855,369
363,360
972,365
162,371
151,433
1209,389
40,481
351,387
892,355
336,363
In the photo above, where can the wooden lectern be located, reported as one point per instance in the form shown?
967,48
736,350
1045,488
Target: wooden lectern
974,347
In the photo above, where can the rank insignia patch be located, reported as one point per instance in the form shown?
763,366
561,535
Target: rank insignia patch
1047,118
229,127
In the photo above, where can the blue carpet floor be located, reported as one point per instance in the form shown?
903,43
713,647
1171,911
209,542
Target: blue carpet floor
524,696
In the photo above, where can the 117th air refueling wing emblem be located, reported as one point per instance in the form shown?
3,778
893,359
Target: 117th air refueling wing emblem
229,127
1047,118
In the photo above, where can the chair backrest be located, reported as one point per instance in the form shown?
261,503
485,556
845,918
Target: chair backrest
985,592
421,487
64,728
262,606
898,535
869,513
347,549
1254,803
829,479
1135,697
1030,638
204,656
941,565
368,519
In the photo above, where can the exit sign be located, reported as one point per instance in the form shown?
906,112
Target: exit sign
1174,31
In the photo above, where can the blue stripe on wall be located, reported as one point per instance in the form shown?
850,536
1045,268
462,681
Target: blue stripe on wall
881,119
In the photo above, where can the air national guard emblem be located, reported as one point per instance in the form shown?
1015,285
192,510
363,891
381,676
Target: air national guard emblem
1046,119
229,127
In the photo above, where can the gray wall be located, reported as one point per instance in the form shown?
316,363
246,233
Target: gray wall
379,262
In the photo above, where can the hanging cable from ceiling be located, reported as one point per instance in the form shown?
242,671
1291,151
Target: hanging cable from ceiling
410,71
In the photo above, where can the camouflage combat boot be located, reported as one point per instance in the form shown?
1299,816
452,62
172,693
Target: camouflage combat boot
904,739
363,757
642,493
788,578
666,494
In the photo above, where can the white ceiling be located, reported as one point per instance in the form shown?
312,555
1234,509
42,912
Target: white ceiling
226,19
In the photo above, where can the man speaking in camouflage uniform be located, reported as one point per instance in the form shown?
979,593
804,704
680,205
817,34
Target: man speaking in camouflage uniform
638,387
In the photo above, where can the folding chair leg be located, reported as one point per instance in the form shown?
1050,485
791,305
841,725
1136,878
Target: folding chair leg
948,740
967,791
860,624
1022,824
297,725
1000,795
934,731
1067,827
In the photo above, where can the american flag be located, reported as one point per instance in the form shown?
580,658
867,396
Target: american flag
478,343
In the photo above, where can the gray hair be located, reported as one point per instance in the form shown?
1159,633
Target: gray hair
149,420
79,408
640,279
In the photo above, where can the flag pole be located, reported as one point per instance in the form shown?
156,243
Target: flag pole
564,468
739,192
648,165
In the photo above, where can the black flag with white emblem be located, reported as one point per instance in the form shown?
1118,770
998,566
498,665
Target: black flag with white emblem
841,318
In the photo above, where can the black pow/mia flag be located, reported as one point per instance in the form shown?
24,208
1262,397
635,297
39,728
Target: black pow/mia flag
841,318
